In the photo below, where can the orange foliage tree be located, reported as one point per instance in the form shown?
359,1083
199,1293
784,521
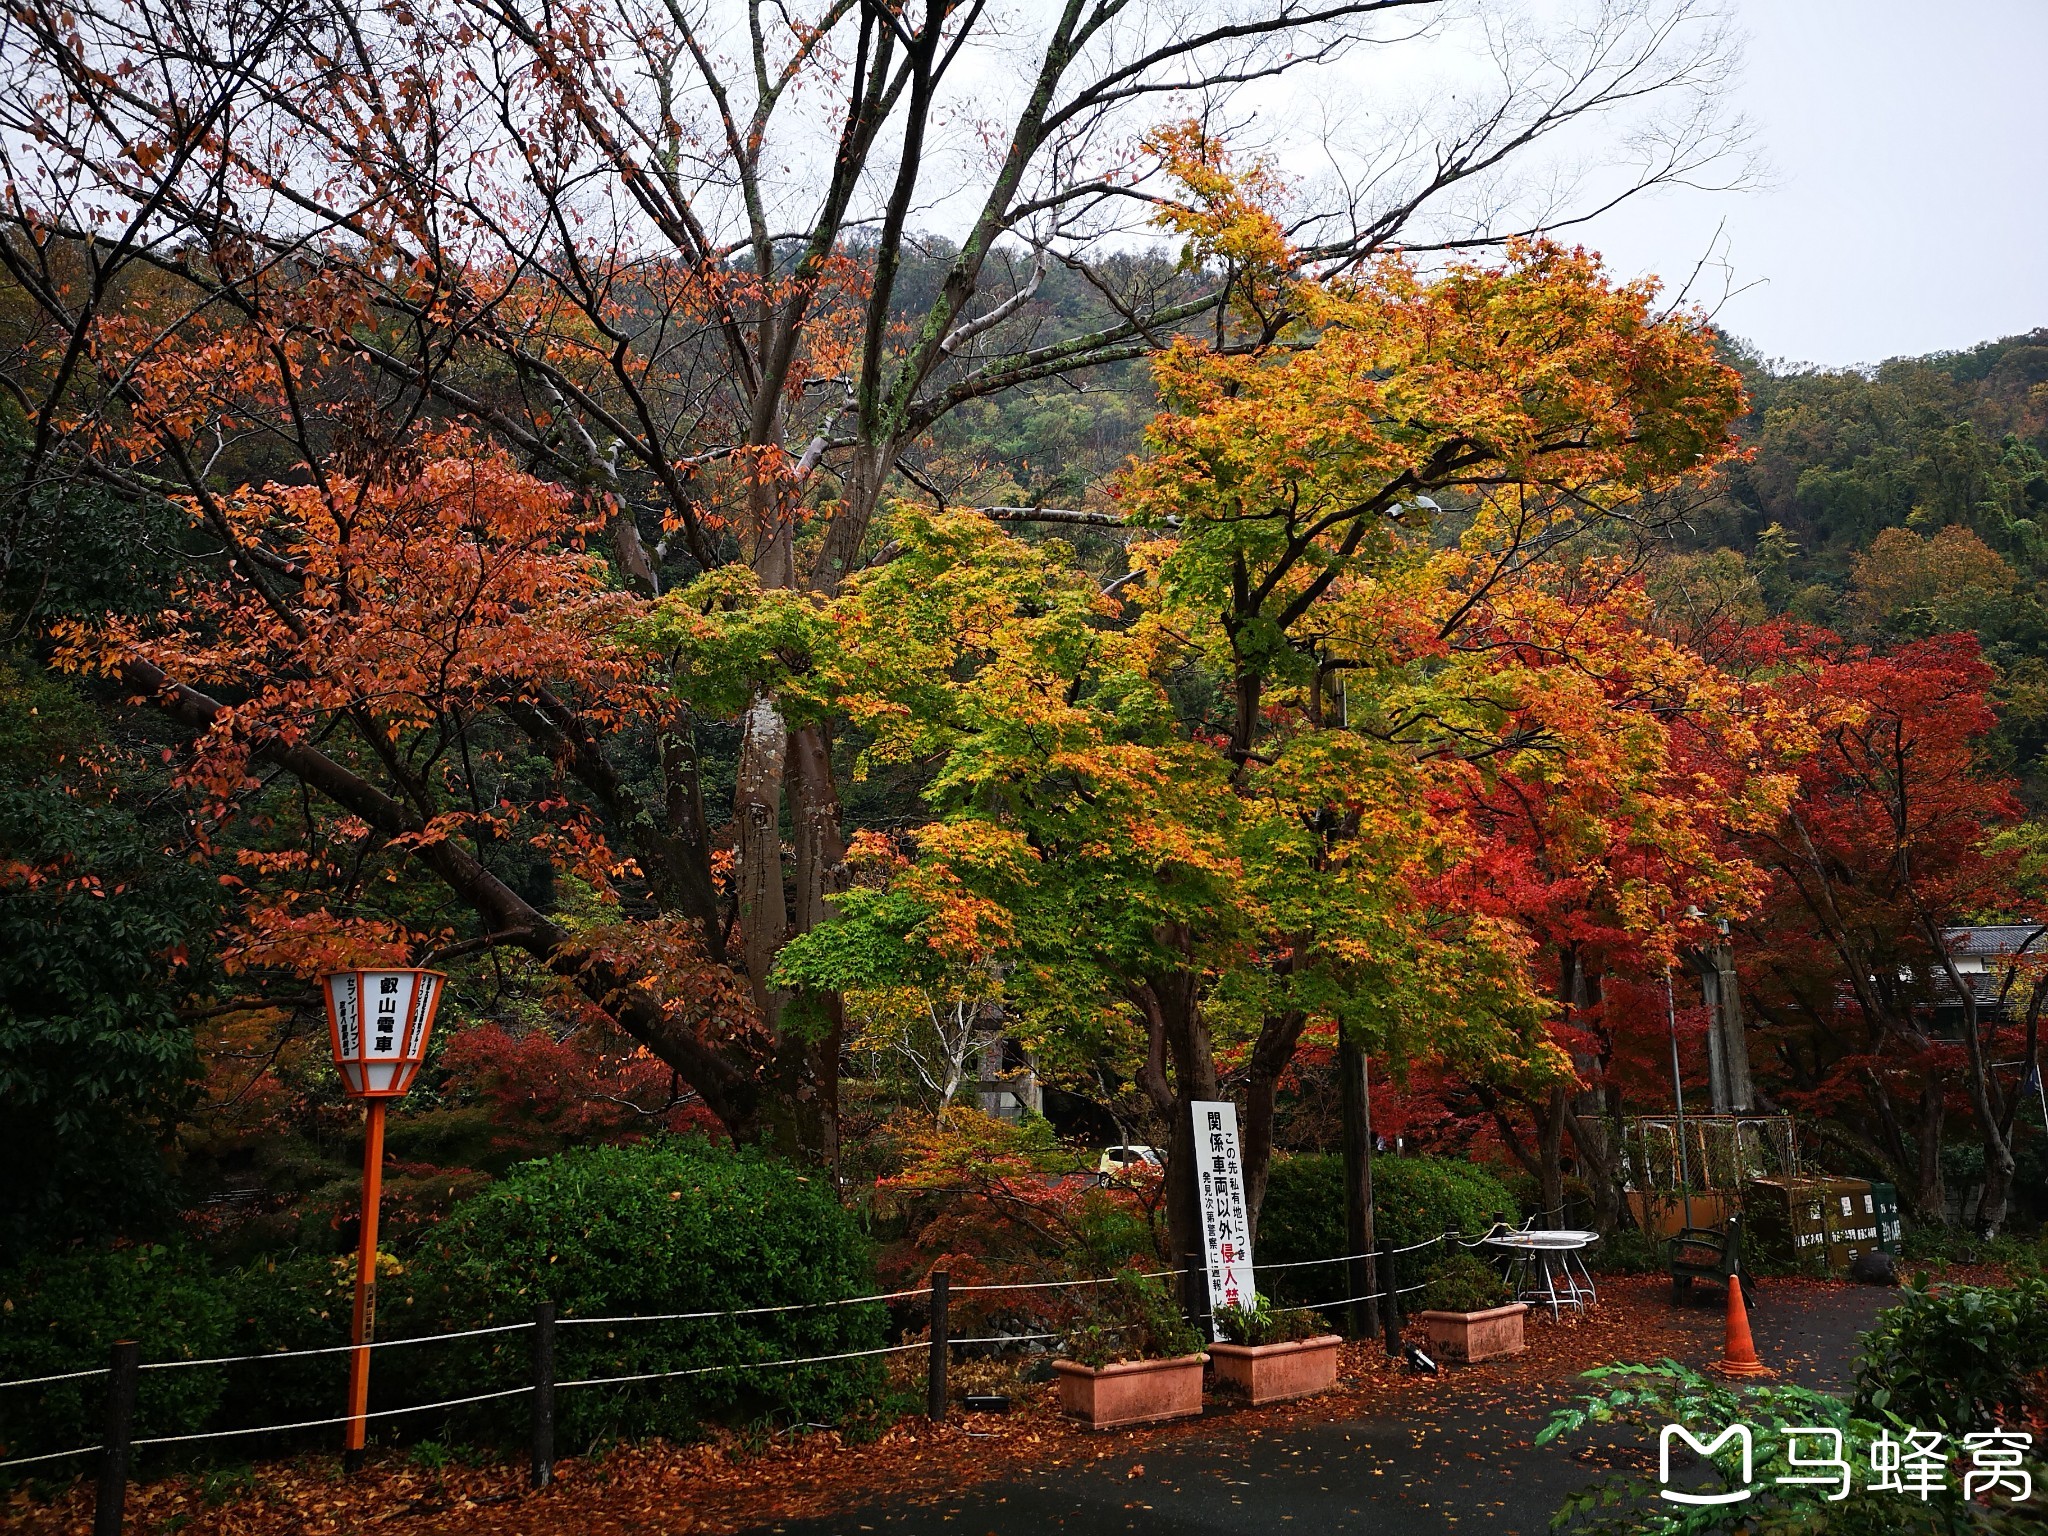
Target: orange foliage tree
1243,793
267,253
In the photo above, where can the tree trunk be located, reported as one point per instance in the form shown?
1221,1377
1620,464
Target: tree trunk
1728,1024
1601,1167
757,822
819,866
1550,1117
1983,1092
1586,1110
1354,1083
865,478
1929,1193
1176,1002
1278,1036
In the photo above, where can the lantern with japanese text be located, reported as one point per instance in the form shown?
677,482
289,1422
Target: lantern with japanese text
378,1021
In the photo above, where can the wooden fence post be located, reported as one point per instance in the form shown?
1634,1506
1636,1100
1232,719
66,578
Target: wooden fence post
123,1365
1391,1312
935,1380
542,1471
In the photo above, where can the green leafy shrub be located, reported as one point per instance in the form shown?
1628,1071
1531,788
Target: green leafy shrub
60,1314
1413,1198
1939,1245
662,1227
297,1302
101,933
1260,1323
1463,1283
1628,1252
1134,1319
1959,1358
1528,1192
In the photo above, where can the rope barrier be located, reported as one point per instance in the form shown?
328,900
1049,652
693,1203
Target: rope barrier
665,1317
1317,1306
630,1379
1308,1263
37,1381
686,1317
1061,1285
331,1349
755,1365
29,1461
381,1413
1346,1258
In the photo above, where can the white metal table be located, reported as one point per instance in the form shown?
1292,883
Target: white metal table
1545,1260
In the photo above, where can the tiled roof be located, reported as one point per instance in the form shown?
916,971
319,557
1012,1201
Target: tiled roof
1996,939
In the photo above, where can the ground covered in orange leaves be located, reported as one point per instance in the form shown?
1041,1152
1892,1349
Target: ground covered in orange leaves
1806,1328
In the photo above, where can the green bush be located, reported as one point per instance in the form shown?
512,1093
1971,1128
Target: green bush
1629,1252
61,1314
1259,1324
297,1302
1960,1358
1413,1198
1462,1283
1942,1246
1135,1319
1528,1192
662,1227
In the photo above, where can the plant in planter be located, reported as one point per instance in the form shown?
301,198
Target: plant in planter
1468,1313
1273,1356
1134,1358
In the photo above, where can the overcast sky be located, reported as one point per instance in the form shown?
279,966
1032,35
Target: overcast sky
1906,209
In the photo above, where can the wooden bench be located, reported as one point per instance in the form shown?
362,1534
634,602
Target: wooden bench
1702,1253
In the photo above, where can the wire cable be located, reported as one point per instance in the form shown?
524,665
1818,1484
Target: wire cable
1061,1285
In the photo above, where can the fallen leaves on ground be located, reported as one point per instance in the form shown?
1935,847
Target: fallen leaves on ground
728,1484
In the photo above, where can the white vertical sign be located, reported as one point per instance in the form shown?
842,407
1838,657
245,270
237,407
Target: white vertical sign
1226,1229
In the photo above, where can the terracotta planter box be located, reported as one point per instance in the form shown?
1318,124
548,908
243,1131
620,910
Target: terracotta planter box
1131,1391
1471,1336
1273,1373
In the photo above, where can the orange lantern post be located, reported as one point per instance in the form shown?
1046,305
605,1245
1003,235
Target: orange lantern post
379,1022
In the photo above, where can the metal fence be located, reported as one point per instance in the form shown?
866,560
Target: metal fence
1708,1153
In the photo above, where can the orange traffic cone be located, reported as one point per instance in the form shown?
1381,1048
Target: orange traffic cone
1738,1354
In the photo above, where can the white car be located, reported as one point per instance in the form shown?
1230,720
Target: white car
1117,1161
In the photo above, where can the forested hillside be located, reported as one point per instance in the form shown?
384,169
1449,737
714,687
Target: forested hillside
1897,504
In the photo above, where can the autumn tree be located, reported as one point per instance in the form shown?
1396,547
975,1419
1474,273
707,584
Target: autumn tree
1912,586
1223,801
1603,831
1891,839
657,258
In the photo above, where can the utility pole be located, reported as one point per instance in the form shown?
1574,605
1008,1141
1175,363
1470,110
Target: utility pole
1728,1025
1355,1097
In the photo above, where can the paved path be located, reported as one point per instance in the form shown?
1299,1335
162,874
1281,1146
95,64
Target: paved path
1455,1473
